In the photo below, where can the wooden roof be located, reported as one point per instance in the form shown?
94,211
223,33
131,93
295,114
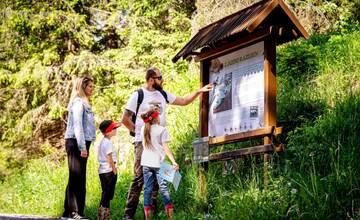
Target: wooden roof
258,16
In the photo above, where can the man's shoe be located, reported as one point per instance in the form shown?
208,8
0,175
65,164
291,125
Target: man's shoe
126,217
75,215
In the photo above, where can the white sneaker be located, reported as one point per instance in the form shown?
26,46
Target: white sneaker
75,215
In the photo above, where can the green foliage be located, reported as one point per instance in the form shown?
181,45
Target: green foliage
324,156
46,45
163,15
320,112
298,60
322,16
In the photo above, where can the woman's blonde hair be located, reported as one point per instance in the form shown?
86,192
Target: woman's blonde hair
79,85
147,128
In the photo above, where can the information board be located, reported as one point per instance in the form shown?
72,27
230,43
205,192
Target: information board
236,103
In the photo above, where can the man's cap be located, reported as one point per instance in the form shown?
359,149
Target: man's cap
107,126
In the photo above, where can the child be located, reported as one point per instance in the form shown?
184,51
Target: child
155,141
107,167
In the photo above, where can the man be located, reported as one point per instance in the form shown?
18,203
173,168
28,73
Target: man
152,95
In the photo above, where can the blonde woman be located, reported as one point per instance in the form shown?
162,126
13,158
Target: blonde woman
80,132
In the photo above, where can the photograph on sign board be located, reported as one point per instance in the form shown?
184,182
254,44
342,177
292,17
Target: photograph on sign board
222,96
236,103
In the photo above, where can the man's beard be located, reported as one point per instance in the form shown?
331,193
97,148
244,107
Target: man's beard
157,86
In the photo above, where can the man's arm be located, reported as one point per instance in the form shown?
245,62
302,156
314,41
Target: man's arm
126,120
190,98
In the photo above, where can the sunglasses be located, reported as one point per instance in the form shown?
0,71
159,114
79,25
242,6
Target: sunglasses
157,77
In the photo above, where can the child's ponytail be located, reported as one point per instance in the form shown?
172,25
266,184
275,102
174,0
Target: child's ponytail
150,118
147,136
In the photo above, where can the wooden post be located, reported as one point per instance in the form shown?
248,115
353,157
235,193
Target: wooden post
204,103
270,94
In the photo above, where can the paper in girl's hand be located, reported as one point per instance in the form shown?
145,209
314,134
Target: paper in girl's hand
168,173
176,180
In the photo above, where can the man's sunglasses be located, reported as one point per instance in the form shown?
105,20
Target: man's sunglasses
157,77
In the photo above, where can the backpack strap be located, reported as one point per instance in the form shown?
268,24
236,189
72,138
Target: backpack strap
163,93
139,100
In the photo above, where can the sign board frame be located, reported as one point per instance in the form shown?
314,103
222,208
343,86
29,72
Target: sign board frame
269,83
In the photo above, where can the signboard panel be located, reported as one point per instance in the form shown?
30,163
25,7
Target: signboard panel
236,104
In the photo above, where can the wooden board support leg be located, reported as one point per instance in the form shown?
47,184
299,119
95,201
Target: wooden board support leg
270,94
204,102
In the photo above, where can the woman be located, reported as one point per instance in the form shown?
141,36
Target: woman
80,132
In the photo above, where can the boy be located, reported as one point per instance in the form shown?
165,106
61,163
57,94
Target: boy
107,167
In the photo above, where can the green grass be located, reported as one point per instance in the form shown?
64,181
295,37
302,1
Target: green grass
37,190
40,189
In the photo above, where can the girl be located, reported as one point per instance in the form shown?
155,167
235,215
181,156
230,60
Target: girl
80,132
155,141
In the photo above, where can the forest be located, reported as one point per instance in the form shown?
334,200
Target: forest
44,45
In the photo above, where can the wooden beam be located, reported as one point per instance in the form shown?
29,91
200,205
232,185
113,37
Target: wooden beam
270,82
270,94
281,30
272,29
293,31
204,99
194,53
243,136
261,16
227,48
241,152
278,131
279,148
293,18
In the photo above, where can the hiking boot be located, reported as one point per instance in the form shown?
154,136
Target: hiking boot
103,213
147,212
169,210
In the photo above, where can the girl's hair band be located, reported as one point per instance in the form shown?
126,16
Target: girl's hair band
155,114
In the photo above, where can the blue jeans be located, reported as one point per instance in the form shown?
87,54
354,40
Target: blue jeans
149,177
137,186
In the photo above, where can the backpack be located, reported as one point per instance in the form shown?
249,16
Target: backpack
139,101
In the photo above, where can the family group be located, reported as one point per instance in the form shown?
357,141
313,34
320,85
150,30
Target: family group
144,117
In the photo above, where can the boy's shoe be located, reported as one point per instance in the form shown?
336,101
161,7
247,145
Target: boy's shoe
75,215
103,213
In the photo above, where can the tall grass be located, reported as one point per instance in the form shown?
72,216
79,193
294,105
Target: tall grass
325,166
40,189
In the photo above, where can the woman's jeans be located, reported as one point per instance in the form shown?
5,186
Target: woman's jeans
75,190
151,175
